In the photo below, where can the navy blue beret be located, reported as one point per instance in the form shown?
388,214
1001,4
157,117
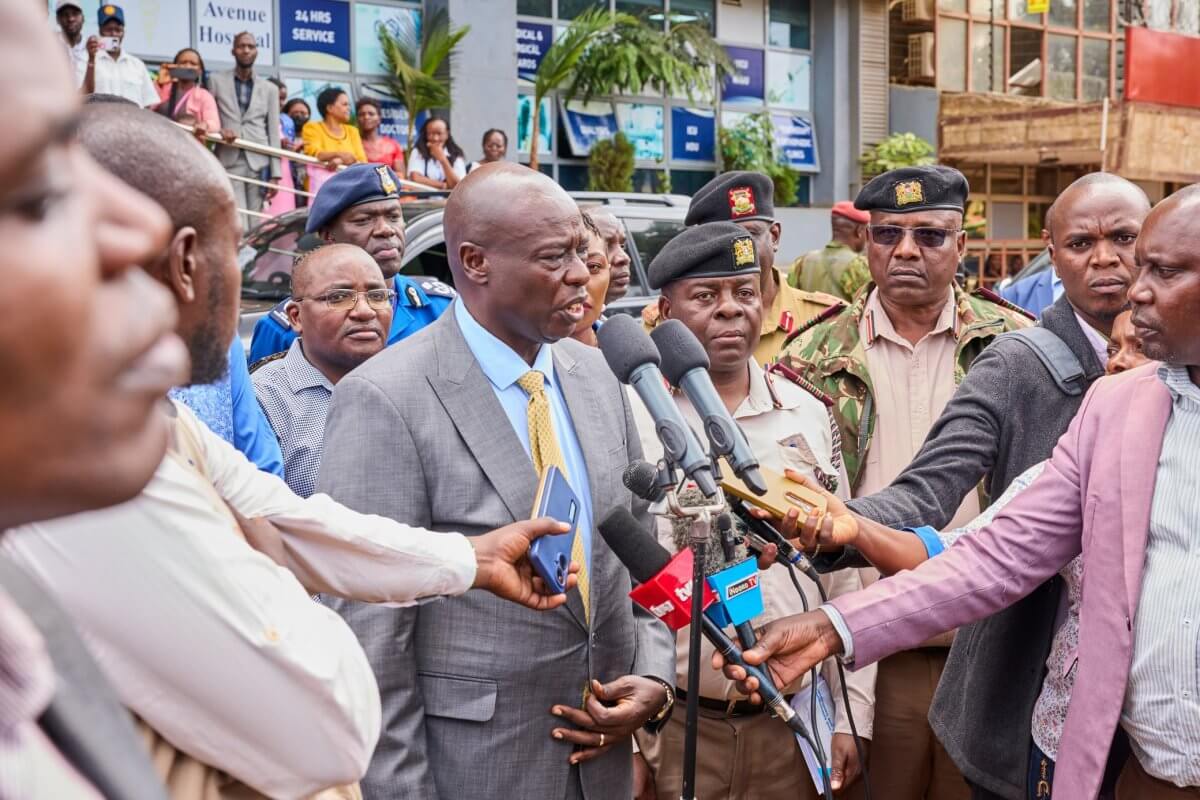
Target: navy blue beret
355,185
711,250
733,197
908,189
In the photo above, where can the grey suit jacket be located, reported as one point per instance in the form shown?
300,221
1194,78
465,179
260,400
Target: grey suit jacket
259,123
86,722
418,435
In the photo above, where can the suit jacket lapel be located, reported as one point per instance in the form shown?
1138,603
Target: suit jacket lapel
469,400
1141,446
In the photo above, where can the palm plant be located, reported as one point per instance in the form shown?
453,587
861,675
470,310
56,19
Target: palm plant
413,66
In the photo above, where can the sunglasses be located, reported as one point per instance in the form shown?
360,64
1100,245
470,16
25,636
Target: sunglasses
892,235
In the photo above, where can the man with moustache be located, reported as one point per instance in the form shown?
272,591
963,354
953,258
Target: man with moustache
452,430
1120,488
341,310
360,205
891,361
78,426
709,277
1009,411
193,593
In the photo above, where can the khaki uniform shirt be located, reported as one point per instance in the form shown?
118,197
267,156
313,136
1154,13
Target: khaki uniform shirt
787,428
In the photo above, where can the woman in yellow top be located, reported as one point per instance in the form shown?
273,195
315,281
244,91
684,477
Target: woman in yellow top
333,140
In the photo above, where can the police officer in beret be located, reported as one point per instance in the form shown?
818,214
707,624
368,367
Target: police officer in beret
710,280
360,205
892,359
747,199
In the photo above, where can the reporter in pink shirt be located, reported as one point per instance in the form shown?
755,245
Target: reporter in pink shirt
184,95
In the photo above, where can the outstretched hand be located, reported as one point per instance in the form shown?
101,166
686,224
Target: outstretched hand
788,647
504,569
837,527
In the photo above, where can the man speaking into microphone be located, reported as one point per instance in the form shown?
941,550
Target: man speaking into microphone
710,281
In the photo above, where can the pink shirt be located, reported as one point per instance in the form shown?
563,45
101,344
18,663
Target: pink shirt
196,101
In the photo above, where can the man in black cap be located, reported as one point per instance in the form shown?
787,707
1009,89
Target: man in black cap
709,277
891,361
747,199
361,205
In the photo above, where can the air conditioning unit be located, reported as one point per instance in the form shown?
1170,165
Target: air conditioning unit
920,55
917,10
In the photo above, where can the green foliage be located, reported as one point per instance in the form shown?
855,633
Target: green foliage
610,165
413,66
750,145
897,150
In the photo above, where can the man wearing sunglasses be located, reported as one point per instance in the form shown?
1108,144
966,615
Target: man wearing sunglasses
341,311
361,206
891,361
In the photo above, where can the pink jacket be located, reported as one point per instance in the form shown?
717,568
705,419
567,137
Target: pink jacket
1094,497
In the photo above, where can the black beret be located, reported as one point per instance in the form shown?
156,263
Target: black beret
908,189
733,197
711,250
355,185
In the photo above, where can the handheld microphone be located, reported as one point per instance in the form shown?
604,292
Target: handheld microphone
647,561
634,359
745,630
685,364
788,554
641,478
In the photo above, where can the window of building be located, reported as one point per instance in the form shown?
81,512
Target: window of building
1060,67
1025,62
790,24
570,9
1017,11
951,54
1094,81
702,11
534,8
651,9
1097,15
1063,13
987,58
987,8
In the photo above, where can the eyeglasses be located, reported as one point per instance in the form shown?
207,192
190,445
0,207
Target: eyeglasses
891,235
346,299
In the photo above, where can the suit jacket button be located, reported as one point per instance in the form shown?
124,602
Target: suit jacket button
595,638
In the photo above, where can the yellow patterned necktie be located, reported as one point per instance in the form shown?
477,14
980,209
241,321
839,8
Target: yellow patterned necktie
544,449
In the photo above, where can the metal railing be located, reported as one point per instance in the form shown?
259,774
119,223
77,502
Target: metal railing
990,261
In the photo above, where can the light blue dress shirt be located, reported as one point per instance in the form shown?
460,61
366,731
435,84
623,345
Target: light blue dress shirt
503,367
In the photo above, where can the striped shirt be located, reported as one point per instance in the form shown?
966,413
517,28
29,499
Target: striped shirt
295,396
1162,699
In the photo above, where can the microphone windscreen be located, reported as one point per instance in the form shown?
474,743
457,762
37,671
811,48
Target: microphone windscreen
631,544
625,346
641,478
679,348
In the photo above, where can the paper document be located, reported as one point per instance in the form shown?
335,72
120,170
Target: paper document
824,733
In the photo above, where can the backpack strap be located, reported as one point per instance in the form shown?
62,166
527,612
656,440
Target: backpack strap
1058,359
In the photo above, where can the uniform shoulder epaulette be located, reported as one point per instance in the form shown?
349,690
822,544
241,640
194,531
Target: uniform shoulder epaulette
985,293
279,314
434,287
267,360
828,313
795,377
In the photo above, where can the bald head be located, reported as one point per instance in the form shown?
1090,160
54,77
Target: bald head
318,267
153,155
1092,183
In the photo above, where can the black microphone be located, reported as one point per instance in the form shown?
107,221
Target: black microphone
787,553
633,358
645,558
685,364
641,478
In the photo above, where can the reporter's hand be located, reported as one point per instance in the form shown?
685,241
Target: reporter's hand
846,768
612,713
643,779
503,567
228,134
164,73
837,527
789,647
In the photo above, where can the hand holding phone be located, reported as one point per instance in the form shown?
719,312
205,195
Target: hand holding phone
110,43
782,495
551,555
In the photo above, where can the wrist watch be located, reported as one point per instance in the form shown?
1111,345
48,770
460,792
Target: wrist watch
667,706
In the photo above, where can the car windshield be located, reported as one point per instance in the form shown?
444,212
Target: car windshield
269,250
649,237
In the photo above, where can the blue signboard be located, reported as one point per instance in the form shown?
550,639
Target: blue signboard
693,134
588,123
394,122
533,40
315,34
745,85
796,142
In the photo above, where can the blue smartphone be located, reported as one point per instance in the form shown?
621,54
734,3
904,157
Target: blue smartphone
551,555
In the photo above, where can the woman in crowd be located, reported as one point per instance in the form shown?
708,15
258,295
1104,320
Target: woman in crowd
332,141
183,94
495,147
597,286
297,109
380,149
437,160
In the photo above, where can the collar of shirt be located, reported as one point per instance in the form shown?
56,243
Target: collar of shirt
773,317
876,323
1056,284
1096,339
26,674
1179,383
499,362
300,372
762,398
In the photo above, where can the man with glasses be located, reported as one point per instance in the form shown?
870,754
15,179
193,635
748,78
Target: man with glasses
891,361
360,205
341,312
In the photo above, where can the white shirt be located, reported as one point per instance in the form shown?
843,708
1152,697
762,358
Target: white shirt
216,647
126,76
78,55
433,168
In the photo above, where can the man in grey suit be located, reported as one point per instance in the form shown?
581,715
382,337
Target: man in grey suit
249,109
481,700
